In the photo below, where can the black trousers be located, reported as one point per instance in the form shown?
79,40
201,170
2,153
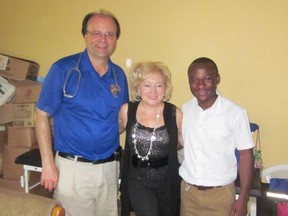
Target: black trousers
148,200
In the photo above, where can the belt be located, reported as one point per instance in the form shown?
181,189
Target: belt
138,163
205,187
114,156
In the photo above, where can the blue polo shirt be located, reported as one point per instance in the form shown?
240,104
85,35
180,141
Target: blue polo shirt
86,124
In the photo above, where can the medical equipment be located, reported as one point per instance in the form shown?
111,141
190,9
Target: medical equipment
74,69
7,91
115,89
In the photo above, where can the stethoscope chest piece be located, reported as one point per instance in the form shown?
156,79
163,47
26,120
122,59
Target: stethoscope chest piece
115,89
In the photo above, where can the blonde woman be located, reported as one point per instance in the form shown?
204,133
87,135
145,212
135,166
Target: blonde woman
150,184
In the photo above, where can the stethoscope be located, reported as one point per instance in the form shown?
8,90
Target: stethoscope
115,89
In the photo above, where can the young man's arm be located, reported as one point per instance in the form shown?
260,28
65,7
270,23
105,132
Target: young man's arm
245,172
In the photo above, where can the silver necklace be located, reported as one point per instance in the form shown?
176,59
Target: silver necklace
152,139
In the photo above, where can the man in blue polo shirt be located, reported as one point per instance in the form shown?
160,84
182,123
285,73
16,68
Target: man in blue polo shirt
83,94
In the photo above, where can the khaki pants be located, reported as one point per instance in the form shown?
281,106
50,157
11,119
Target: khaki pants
87,189
211,202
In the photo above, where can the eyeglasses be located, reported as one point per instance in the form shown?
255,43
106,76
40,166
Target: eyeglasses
98,34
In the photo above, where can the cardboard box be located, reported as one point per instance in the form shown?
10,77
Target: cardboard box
24,114
21,137
1,163
27,91
6,113
19,114
7,91
3,137
17,68
11,170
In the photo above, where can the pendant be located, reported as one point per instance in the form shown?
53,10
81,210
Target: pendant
115,90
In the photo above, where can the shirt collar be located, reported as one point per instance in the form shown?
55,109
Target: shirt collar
87,65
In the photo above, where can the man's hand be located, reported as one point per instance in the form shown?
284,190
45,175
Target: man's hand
49,177
239,208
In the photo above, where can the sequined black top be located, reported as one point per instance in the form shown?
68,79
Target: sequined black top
170,137
160,149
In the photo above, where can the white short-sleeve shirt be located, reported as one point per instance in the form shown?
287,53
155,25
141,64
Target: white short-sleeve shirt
210,138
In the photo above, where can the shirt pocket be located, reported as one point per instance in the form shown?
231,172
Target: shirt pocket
219,138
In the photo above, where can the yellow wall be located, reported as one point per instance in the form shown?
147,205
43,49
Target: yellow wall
247,39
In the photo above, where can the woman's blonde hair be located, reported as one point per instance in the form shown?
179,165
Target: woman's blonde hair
141,71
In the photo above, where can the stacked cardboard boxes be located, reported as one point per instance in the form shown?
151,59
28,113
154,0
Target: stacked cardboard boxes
17,68
17,132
